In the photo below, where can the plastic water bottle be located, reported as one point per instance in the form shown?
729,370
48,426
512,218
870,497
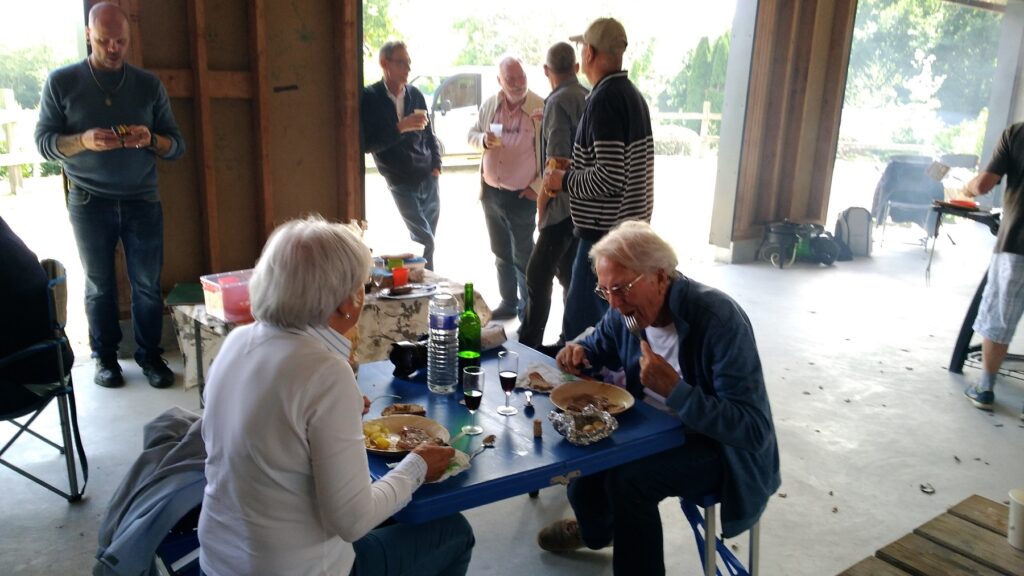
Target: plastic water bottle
443,346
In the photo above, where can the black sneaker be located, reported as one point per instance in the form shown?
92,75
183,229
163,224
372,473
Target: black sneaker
157,372
108,374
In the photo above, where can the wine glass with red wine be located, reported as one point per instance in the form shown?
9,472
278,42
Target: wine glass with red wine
473,391
508,371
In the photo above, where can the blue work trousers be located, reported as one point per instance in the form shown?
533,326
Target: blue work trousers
583,307
620,505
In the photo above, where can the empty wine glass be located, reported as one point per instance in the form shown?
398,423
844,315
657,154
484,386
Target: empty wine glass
378,278
473,391
508,371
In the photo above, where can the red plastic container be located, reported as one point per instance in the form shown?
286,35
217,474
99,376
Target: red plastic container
227,296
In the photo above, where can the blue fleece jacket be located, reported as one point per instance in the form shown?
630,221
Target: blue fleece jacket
72,103
721,394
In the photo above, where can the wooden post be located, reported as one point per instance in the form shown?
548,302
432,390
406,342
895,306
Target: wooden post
7,103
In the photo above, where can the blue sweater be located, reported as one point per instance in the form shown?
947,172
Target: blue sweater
72,103
721,394
401,158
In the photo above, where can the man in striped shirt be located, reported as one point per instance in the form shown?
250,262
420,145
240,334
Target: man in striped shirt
611,178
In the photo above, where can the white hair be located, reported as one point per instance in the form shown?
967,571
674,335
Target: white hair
634,244
307,269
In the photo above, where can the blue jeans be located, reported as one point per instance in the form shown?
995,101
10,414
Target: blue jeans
583,308
98,224
553,255
441,547
420,206
510,221
620,505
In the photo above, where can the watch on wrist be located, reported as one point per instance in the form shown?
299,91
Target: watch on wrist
152,141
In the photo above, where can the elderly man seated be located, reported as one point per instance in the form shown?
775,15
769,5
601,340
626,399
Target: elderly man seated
695,348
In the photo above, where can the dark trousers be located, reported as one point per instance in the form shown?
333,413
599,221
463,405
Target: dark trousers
553,255
620,505
510,221
98,224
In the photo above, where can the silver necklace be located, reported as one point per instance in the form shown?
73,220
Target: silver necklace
109,100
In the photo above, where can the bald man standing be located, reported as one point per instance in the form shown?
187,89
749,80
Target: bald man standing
510,174
107,122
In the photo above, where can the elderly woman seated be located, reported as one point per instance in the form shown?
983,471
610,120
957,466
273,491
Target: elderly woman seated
288,485
695,349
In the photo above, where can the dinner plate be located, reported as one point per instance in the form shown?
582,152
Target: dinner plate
415,291
619,400
394,425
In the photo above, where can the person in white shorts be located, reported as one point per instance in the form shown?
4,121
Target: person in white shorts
1003,300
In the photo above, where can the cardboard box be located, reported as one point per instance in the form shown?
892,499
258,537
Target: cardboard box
227,295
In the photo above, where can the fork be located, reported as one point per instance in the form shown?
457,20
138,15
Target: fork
634,328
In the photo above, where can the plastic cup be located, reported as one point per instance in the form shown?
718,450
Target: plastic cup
1015,525
400,276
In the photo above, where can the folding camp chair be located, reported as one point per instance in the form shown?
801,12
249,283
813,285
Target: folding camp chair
21,405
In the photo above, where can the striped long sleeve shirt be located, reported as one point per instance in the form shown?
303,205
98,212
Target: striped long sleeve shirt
612,174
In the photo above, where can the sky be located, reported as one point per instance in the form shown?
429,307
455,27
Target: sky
59,23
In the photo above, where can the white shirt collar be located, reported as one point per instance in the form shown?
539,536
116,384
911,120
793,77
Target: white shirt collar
330,338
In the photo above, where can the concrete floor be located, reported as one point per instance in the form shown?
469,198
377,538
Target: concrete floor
855,360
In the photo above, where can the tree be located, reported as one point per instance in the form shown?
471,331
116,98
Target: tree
958,42
25,70
377,29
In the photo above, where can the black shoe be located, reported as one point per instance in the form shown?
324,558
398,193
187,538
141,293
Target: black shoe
504,311
108,374
157,372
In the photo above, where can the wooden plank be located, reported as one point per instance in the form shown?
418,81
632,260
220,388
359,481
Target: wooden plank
983,512
872,566
348,89
973,541
261,117
223,84
204,132
922,557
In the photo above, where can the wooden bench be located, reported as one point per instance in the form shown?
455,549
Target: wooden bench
970,538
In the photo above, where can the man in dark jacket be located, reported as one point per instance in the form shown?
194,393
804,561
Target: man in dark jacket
396,131
694,350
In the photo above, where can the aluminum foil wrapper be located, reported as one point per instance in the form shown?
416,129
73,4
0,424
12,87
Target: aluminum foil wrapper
585,427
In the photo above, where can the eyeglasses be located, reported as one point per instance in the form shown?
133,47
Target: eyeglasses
620,291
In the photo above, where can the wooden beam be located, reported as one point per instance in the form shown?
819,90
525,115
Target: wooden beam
204,131
260,90
348,89
180,83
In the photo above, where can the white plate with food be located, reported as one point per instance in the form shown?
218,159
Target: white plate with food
408,291
574,396
397,435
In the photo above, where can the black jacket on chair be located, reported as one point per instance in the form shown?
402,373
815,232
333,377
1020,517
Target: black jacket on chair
25,313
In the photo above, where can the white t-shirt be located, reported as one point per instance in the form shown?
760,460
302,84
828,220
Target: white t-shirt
288,487
664,342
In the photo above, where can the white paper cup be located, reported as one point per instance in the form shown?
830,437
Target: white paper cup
1015,527
496,129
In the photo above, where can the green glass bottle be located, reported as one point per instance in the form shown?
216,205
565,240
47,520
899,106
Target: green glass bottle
469,333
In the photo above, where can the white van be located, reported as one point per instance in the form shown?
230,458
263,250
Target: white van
455,97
